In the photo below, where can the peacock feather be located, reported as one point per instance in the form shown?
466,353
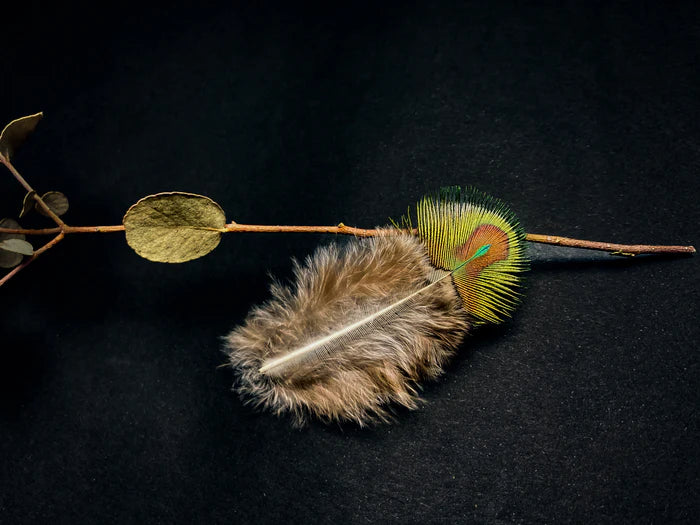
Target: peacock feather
454,225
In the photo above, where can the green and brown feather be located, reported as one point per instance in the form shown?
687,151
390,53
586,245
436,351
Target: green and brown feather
454,224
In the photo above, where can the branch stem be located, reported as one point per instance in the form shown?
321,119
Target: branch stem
339,229
65,229
342,229
614,249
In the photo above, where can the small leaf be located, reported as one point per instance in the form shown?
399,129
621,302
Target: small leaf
9,259
10,224
16,132
174,227
28,203
56,201
17,246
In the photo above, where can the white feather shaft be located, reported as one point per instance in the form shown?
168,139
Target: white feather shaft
322,347
297,355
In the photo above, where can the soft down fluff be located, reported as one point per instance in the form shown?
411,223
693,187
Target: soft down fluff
364,373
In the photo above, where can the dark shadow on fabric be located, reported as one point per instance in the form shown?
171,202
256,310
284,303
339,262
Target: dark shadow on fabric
611,262
22,369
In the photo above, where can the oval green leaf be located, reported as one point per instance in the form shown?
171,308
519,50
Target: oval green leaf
56,201
174,227
10,259
17,246
16,132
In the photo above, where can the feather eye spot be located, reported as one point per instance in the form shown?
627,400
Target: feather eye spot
486,234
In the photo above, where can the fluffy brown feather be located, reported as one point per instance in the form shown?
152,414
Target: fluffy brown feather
333,288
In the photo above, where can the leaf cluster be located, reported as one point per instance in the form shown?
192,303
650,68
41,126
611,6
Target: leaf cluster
14,246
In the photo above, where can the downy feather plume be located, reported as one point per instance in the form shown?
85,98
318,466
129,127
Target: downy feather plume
363,324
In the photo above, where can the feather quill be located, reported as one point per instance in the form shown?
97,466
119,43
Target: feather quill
326,346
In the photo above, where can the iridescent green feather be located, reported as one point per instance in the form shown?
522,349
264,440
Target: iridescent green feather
455,225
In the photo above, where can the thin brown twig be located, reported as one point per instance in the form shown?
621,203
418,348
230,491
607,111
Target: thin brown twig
65,229
613,248
339,229
25,231
342,229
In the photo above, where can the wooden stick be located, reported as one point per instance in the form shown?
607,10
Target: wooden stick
342,229
614,249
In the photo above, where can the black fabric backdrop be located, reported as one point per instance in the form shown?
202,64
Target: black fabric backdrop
582,408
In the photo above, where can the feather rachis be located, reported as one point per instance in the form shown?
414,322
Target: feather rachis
325,346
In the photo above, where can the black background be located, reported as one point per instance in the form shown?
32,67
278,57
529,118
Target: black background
582,408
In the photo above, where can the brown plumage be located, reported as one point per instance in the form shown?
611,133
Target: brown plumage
357,376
